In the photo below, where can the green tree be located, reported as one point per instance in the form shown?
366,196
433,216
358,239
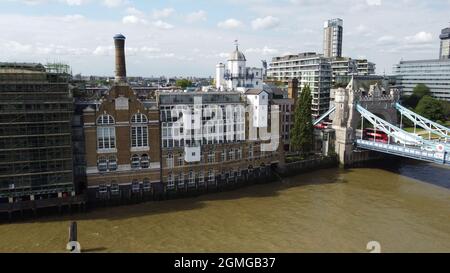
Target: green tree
303,131
430,108
420,91
183,83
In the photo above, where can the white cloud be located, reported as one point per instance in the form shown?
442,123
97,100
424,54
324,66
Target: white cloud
133,19
113,3
421,37
196,16
16,47
103,51
75,2
264,51
72,18
386,39
134,11
162,25
265,23
230,24
149,49
162,13
373,2
223,55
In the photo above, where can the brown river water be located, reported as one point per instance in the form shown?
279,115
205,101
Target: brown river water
404,206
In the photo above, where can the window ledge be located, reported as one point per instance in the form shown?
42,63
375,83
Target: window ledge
106,151
140,149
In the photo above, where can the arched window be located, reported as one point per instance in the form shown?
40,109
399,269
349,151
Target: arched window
170,182
106,133
105,120
145,161
169,160
135,162
146,186
112,163
115,189
135,187
139,131
139,118
191,178
102,164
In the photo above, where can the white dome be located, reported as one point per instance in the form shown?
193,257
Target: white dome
236,55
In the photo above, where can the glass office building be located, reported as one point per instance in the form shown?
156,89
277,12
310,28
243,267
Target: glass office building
433,73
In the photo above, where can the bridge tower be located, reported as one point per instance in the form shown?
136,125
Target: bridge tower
375,98
342,124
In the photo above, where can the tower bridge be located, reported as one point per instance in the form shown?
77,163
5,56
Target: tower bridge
354,106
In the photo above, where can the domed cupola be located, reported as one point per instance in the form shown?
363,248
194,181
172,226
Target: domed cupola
236,55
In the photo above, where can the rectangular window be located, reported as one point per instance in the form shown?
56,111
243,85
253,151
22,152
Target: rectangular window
223,156
201,179
139,136
211,157
170,182
106,138
211,177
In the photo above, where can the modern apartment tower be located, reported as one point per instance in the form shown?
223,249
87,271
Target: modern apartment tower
35,133
445,44
310,69
332,39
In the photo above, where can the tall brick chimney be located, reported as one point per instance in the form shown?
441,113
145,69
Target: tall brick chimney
121,70
293,89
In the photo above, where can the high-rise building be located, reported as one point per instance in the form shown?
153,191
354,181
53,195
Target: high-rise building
310,69
35,133
445,44
433,73
332,38
365,68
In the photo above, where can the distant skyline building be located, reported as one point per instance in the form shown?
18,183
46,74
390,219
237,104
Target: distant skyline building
445,44
433,73
310,69
333,36
235,74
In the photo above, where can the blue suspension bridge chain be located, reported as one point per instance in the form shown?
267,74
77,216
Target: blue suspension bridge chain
322,117
396,132
425,123
418,148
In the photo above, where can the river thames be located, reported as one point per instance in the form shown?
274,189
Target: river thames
404,206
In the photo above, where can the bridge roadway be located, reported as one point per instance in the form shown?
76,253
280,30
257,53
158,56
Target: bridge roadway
413,152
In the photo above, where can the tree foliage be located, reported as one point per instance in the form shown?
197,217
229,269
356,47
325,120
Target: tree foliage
302,133
183,83
420,91
430,108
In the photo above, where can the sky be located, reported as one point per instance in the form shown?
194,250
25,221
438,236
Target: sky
189,37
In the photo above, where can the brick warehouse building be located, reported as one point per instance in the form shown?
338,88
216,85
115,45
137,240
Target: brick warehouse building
122,141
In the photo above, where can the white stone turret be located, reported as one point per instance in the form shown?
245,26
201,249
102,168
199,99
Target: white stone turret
220,77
